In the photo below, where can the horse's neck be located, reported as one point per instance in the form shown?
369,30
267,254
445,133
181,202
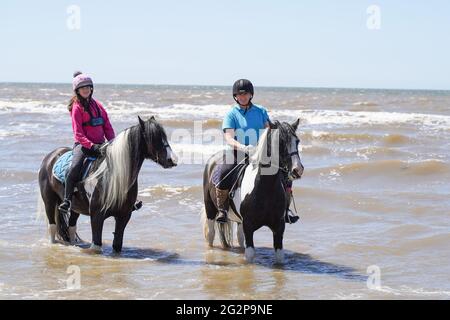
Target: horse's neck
135,167
267,181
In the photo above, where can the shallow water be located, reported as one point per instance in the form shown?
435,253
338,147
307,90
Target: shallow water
375,192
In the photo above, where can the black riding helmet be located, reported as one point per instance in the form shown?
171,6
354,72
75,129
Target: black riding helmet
243,86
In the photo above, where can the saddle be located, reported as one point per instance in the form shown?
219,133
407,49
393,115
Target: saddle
62,166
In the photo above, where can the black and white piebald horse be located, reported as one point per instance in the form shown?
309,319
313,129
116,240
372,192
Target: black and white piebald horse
260,196
111,186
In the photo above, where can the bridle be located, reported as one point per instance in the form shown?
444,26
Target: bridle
285,168
153,153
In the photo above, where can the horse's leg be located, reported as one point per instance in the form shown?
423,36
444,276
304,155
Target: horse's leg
73,227
209,219
97,220
121,223
51,206
250,247
278,242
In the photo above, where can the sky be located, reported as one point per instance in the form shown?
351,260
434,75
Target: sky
322,43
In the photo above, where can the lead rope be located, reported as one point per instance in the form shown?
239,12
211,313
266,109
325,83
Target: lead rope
289,208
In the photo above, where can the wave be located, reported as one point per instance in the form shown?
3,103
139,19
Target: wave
365,104
167,191
387,167
206,124
329,136
216,112
32,106
396,139
364,118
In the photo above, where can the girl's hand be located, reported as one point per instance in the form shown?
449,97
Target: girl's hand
96,150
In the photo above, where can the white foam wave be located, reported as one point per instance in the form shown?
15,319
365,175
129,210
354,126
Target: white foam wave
363,118
217,111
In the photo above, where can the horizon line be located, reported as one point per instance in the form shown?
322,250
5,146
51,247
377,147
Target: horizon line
228,86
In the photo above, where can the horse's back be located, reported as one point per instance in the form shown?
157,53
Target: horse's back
50,159
45,171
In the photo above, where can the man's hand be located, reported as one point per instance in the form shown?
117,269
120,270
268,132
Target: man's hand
249,150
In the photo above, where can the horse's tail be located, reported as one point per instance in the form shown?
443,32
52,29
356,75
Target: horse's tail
225,233
203,221
40,207
62,224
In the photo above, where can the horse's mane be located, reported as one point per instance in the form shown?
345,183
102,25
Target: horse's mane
265,143
115,173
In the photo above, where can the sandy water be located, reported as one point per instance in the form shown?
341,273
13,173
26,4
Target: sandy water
375,194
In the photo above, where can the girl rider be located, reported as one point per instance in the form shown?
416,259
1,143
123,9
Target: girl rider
90,126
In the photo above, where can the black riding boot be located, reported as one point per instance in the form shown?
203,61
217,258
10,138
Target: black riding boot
68,193
222,205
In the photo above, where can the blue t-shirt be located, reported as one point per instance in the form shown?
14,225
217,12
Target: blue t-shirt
248,124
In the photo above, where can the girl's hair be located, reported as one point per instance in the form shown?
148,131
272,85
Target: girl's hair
77,98
71,102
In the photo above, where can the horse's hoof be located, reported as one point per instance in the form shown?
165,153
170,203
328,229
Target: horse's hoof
249,254
95,249
117,251
279,256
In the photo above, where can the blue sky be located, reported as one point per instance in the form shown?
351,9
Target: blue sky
213,42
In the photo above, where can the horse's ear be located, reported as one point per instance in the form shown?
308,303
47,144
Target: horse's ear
141,123
272,125
295,124
152,118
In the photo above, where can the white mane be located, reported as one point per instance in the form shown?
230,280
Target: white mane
114,172
261,153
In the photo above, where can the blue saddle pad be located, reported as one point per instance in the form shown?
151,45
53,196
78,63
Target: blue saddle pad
62,166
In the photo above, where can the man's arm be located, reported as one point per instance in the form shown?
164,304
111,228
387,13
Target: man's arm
229,139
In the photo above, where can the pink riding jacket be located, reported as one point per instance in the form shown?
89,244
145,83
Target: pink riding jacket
87,136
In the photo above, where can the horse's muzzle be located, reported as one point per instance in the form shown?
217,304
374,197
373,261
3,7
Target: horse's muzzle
169,164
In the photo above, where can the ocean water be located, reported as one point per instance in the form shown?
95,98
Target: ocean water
375,195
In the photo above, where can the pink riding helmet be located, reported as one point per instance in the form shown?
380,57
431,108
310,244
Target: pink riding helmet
81,80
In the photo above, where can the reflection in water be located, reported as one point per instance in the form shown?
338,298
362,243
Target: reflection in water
227,275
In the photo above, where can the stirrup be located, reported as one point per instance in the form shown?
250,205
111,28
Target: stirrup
63,208
290,218
137,206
